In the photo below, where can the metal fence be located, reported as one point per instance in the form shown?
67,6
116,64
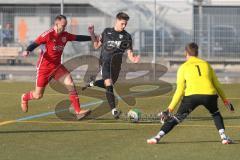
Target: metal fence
218,32
177,23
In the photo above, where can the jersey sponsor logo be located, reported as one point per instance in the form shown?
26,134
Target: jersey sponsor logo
109,33
114,44
118,44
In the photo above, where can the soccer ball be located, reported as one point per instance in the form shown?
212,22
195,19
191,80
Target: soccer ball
134,115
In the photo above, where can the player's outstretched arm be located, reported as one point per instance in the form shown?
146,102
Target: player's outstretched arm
179,89
95,39
29,49
133,58
42,39
81,38
220,92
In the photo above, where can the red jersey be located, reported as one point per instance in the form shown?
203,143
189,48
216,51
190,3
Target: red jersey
54,46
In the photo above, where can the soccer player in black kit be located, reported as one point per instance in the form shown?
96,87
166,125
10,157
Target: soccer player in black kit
113,42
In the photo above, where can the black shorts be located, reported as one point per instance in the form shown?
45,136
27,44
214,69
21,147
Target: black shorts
110,71
189,103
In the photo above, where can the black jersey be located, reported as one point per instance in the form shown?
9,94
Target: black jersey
114,44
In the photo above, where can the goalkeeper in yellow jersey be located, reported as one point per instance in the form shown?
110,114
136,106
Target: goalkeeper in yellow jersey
197,84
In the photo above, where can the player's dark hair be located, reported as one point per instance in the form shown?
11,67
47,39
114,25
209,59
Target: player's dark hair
192,49
60,17
122,16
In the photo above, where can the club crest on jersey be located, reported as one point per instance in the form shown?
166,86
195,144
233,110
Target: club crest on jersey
58,48
54,40
64,39
120,36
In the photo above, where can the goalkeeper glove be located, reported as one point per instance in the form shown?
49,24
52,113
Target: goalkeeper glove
165,116
229,105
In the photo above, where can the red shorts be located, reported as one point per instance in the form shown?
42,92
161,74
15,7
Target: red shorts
45,75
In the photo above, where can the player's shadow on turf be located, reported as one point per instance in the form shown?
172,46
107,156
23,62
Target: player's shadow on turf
197,142
59,131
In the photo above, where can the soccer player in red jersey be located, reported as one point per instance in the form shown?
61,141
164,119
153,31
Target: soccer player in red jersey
49,64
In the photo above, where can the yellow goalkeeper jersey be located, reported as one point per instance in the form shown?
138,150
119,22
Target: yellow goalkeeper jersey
196,76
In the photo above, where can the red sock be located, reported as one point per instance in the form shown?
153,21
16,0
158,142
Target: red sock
75,101
28,96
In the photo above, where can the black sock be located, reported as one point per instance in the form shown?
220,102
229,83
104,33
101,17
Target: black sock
218,120
169,125
99,83
110,96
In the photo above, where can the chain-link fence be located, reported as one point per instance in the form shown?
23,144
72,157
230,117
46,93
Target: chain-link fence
220,32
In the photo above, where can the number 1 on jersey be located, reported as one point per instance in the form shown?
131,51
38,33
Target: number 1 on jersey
199,71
